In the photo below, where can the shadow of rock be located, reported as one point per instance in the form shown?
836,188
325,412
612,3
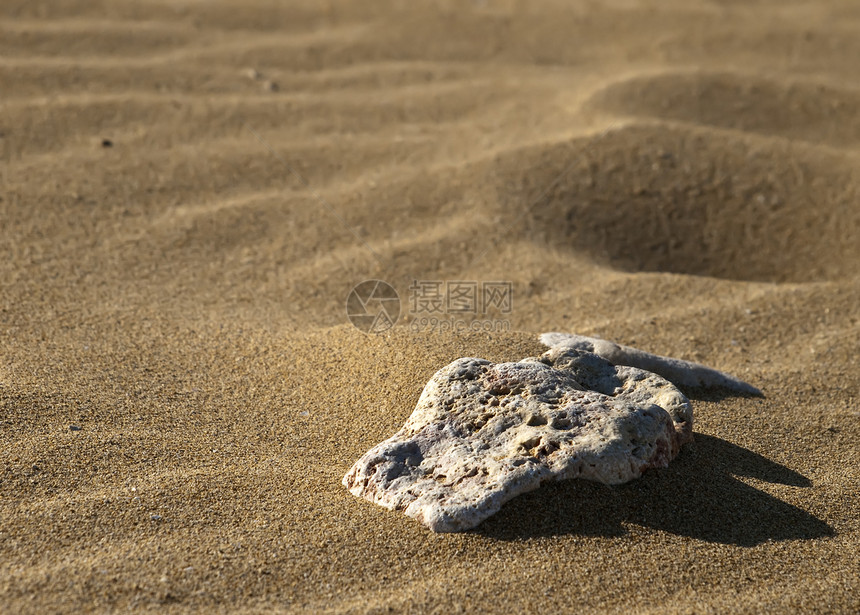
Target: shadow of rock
718,393
697,496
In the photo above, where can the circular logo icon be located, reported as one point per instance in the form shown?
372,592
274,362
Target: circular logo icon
373,306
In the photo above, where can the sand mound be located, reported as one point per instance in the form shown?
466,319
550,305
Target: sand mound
679,199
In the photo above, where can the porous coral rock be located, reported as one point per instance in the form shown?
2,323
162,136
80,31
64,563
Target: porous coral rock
483,433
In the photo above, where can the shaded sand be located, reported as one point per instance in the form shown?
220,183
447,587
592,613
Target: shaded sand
681,177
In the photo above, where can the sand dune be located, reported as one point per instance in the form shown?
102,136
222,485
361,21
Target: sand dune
192,189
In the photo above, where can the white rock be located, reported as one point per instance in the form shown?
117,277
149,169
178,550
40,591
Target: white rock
482,433
678,371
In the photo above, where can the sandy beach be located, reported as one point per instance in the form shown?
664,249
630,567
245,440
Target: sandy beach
191,190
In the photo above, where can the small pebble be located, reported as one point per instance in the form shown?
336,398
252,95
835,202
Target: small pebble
107,143
75,427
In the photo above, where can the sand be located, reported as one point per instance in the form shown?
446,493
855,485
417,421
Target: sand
181,391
